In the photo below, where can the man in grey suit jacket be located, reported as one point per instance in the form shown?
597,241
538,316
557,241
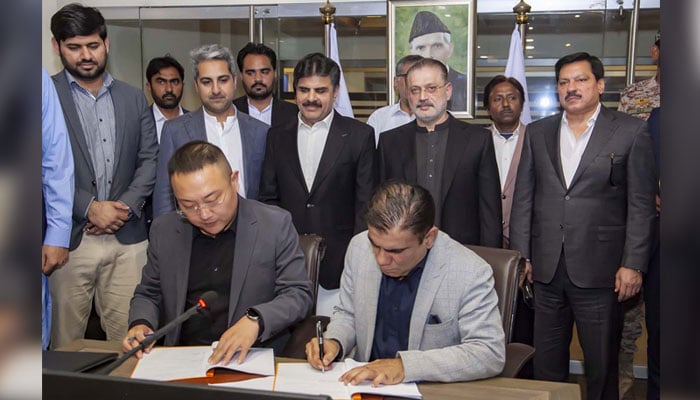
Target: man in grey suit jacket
583,216
241,137
246,251
415,303
113,138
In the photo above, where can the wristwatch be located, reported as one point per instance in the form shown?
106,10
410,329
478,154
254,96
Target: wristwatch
252,315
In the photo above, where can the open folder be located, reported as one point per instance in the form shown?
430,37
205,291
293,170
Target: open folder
170,363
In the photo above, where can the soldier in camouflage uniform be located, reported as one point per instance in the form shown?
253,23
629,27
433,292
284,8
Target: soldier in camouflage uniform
637,100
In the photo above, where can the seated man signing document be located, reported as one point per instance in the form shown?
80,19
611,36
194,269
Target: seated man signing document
246,251
415,303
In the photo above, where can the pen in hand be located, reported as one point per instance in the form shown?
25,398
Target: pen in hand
319,336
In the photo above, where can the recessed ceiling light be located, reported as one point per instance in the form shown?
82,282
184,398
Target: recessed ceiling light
529,47
530,28
478,47
529,56
567,44
483,56
529,40
577,16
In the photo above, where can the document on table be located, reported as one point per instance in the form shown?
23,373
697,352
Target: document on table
303,378
169,363
265,383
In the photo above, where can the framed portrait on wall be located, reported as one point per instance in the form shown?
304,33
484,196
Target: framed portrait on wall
443,30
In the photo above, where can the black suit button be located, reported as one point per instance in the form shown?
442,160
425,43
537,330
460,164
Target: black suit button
503,197
94,183
567,197
561,226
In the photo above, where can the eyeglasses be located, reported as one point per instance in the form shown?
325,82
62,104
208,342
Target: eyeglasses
207,205
431,89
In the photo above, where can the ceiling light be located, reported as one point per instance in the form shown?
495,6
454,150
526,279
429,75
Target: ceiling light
567,44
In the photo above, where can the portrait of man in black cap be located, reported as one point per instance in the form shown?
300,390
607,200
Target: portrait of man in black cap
431,38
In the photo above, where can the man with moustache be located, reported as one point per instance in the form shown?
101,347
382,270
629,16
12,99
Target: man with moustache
258,64
320,167
395,115
240,136
454,160
165,80
113,139
583,217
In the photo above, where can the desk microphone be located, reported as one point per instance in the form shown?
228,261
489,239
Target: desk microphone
203,303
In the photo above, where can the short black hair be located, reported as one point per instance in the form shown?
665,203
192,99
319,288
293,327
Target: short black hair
409,59
498,79
596,64
403,205
256,48
194,156
158,63
77,20
316,64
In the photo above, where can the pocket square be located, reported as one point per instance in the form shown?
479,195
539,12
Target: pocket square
433,319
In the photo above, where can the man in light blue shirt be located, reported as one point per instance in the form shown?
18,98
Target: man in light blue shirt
57,189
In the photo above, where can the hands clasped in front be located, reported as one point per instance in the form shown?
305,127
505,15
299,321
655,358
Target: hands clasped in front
388,371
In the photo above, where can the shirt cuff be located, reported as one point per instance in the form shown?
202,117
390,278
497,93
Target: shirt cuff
57,237
88,207
141,322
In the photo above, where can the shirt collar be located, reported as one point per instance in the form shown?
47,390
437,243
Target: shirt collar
252,107
159,115
107,80
324,123
211,118
591,120
496,132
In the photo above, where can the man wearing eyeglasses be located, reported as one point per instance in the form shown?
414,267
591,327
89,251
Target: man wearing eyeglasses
397,114
454,160
244,250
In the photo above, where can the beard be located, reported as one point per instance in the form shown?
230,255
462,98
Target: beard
167,101
255,95
85,75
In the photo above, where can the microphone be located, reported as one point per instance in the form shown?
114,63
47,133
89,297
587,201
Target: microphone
203,303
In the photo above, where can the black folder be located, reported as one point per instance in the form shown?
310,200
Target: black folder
75,361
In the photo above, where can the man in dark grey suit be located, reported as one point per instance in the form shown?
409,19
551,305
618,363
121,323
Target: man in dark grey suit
258,66
245,251
241,137
113,138
583,216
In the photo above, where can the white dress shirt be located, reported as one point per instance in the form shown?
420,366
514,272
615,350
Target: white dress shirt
504,148
570,148
265,115
160,118
310,141
228,139
387,118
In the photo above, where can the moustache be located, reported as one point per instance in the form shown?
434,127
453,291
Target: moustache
260,84
168,96
572,94
86,62
425,103
312,104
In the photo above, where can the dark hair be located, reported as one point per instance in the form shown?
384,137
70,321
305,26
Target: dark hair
316,64
498,79
77,20
256,48
596,64
194,156
403,205
158,63
430,62
409,59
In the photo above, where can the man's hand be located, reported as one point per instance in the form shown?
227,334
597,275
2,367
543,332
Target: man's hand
240,336
108,216
386,371
135,336
527,274
627,283
330,352
52,257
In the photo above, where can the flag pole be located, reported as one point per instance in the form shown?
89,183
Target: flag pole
522,19
327,11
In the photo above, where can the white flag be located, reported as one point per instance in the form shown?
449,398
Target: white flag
516,69
342,102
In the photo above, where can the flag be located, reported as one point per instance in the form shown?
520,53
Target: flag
516,69
342,102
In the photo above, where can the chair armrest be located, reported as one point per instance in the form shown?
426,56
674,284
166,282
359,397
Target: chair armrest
301,334
517,355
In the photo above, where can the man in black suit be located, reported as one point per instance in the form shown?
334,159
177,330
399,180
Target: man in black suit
320,167
583,216
455,161
257,64
431,38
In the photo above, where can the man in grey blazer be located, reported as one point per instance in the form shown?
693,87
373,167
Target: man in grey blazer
415,303
113,139
241,137
244,250
583,216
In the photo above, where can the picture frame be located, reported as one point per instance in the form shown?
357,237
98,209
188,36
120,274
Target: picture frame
414,25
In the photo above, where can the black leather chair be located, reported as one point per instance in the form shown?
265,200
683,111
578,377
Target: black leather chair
507,266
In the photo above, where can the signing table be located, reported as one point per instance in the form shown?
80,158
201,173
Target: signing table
494,388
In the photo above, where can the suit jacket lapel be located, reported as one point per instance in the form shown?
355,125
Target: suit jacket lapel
602,132
335,142
457,142
368,288
195,126
551,138
247,143
118,100
513,168
411,165
72,118
427,290
246,237
181,262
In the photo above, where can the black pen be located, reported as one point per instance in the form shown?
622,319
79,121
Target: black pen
319,336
